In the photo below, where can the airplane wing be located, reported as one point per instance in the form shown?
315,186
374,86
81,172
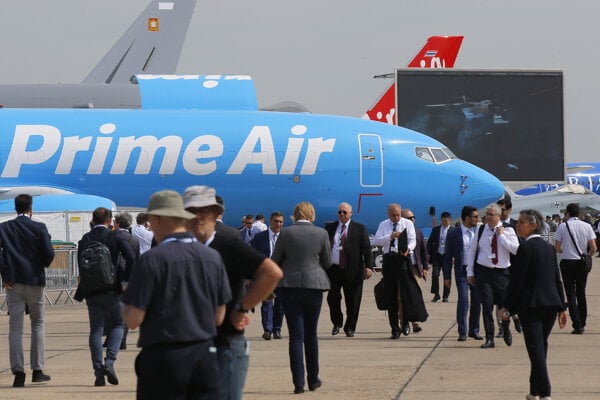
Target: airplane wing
151,45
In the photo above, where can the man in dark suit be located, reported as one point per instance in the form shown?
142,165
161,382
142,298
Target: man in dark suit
26,250
436,247
457,245
352,262
271,310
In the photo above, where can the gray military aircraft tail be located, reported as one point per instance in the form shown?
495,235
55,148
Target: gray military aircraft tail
151,45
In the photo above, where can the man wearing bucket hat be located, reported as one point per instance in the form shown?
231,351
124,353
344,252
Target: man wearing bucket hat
177,327
242,262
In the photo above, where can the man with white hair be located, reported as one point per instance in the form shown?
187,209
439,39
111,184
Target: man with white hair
487,268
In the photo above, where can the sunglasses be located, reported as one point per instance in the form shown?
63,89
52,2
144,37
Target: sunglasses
342,212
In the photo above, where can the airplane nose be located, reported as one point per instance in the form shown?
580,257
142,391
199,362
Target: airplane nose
480,185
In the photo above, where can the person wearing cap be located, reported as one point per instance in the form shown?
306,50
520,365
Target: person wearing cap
242,263
176,296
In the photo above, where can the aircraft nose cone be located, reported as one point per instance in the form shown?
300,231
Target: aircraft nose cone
482,186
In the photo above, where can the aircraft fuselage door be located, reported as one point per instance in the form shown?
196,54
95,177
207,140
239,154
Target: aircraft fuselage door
371,160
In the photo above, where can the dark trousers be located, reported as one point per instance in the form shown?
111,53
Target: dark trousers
178,371
271,313
393,264
302,308
537,324
492,283
462,306
574,278
352,297
435,276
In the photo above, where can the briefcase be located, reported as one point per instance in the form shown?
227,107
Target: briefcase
380,297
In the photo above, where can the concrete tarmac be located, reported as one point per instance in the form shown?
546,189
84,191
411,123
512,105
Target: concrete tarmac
429,365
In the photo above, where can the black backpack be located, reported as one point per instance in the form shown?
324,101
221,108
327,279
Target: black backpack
96,270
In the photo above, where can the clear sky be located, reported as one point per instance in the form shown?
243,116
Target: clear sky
323,54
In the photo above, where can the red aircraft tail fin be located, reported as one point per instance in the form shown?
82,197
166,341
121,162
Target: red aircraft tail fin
438,52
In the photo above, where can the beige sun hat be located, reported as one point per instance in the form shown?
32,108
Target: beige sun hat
168,203
199,197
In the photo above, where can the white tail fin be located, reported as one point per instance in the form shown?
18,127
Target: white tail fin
438,52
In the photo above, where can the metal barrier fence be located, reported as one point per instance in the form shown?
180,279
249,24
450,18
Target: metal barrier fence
61,278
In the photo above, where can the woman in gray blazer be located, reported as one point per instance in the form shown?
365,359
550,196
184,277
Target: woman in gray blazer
303,252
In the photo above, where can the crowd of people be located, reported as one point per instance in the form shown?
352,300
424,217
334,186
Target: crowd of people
180,259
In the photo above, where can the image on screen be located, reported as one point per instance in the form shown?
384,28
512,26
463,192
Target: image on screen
509,123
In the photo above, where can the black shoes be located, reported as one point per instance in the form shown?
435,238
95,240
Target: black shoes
266,335
349,333
506,335
335,330
298,389
518,326
489,344
417,329
277,335
436,298
315,385
445,300
100,382
111,376
500,333
475,336
39,376
462,338
406,330
576,331
395,335
19,379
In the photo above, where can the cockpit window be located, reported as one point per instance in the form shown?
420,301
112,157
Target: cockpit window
424,153
439,155
450,153
435,155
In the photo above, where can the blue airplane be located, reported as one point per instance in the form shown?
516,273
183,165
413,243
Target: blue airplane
586,174
207,130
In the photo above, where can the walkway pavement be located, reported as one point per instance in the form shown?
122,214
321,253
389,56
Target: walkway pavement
430,365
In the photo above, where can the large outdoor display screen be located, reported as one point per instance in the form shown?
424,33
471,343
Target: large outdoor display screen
509,123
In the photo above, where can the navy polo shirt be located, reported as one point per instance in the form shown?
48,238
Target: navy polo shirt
179,284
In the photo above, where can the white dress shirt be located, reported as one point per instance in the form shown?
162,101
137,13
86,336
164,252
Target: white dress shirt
337,243
384,233
442,243
272,240
507,243
468,236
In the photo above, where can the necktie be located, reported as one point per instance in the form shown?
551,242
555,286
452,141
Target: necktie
342,244
273,242
495,248
393,241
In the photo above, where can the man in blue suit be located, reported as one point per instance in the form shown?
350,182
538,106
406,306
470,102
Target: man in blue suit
456,252
26,251
271,310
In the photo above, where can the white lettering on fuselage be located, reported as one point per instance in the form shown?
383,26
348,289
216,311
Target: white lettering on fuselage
37,144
